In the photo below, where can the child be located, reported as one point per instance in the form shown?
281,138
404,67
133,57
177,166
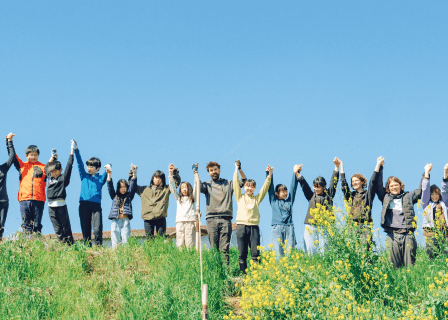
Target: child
397,218
33,181
57,208
155,200
248,217
121,211
435,215
90,212
4,168
185,213
360,199
321,197
281,203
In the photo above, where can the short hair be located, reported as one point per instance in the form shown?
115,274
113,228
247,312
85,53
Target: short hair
32,148
94,162
320,182
435,189
54,165
213,164
280,187
360,177
250,181
392,178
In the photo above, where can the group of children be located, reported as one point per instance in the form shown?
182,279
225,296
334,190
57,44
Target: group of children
397,215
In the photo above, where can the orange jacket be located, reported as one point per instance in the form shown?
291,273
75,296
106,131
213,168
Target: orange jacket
33,180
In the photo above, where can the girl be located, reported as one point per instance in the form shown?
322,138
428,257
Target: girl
121,211
398,218
321,197
360,199
185,214
155,200
435,204
248,216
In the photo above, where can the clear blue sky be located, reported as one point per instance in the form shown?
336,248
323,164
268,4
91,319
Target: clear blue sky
279,83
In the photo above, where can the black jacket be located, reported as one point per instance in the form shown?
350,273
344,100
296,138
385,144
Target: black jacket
56,186
325,199
409,199
361,202
4,170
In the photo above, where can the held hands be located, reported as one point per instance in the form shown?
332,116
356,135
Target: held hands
298,168
238,164
195,167
171,168
10,136
270,170
108,168
134,169
74,145
380,161
445,171
428,167
336,161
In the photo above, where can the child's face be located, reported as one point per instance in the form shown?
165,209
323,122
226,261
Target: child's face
32,156
92,170
249,188
319,190
435,197
282,194
56,173
156,180
394,187
356,183
123,188
183,189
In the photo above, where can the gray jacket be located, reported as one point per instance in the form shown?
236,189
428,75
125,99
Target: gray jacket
218,195
409,199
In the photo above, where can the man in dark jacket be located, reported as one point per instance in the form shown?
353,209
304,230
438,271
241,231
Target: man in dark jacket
219,211
56,196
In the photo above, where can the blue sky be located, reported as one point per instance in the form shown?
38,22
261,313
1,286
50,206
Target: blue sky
295,82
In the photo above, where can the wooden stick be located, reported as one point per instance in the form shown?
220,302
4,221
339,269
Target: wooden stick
204,302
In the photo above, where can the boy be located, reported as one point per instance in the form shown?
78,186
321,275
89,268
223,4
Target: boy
33,181
282,202
90,213
57,208
4,200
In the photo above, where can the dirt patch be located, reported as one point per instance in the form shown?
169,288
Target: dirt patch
234,303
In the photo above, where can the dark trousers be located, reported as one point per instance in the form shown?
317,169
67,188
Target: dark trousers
61,224
159,225
4,205
402,248
219,233
247,237
31,211
91,216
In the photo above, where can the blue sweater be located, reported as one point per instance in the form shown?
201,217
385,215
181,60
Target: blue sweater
90,185
282,209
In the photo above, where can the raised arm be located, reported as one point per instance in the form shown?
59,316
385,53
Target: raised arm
172,183
265,187
236,184
344,185
243,176
11,150
110,188
445,185
196,178
82,171
426,187
132,188
68,168
417,193
307,192
334,179
380,190
271,185
295,182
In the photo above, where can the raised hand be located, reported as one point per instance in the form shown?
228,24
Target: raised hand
108,168
74,145
428,167
10,136
380,161
171,168
445,170
238,164
134,168
270,170
336,161
298,168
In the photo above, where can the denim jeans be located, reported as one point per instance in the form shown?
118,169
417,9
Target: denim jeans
120,230
311,235
282,232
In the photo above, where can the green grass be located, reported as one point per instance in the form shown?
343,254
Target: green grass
42,279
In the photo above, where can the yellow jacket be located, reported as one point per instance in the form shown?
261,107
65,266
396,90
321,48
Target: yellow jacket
248,213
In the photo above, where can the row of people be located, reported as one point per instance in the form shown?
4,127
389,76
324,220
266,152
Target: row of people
397,216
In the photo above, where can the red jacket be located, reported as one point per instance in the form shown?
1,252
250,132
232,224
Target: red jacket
33,181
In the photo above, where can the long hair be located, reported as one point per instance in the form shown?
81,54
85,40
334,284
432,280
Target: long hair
190,194
161,175
117,192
